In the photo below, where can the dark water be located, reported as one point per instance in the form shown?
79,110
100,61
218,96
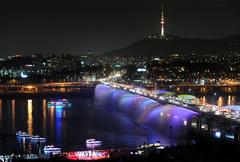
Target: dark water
70,127
221,100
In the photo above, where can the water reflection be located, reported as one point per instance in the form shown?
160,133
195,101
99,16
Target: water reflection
52,120
70,127
220,100
24,144
203,99
29,117
44,107
229,100
13,105
59,114
234,100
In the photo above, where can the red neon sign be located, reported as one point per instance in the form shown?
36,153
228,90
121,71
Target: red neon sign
88,155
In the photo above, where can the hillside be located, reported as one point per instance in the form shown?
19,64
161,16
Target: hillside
172,45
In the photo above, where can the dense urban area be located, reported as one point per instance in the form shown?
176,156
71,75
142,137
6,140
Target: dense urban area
106,81
173,69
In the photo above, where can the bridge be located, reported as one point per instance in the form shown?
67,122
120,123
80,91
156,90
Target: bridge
53,87
225,116
193,88
207,109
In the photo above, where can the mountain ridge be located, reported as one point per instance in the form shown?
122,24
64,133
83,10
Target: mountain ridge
174,44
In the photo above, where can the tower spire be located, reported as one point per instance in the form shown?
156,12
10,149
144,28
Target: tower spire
162,22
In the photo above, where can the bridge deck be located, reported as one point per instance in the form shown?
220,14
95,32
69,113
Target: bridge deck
192,108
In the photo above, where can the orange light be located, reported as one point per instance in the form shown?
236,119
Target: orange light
29,87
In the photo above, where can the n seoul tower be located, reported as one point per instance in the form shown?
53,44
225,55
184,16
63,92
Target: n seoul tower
162,22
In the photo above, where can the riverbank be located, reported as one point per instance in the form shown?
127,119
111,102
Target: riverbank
204,151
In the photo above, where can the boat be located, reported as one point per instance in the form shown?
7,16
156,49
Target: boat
93,141
145,147
61,103
51,149
37,138
88,155
22,134
18,133
157,145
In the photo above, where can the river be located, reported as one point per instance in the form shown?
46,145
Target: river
70,127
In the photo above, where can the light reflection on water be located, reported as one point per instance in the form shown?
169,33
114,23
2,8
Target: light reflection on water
44,119
29,117
13,114
70,127
221,100
58,119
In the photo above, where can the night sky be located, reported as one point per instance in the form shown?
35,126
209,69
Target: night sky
50,26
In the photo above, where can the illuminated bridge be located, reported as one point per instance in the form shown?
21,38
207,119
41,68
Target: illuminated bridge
141,103
54,87
222,88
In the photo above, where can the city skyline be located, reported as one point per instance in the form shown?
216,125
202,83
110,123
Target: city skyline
75,28
105,80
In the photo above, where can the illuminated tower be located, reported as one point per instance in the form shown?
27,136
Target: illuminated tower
162,22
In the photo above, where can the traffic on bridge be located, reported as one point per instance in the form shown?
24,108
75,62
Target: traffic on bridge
186,101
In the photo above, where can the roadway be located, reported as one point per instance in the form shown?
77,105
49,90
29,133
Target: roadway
213,111
54,87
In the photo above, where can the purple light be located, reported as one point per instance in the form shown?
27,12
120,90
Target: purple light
103,94
141,109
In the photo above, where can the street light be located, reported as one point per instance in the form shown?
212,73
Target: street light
171,136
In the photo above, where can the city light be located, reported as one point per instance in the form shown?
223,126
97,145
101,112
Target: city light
120,81
88,155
